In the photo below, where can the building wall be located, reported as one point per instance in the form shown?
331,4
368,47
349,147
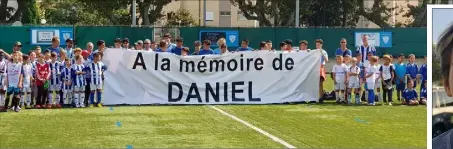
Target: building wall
224,14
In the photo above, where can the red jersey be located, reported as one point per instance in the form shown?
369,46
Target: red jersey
42,72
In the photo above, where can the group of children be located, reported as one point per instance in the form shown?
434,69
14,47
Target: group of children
24,77
351,73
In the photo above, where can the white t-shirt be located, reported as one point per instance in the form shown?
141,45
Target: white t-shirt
355,69
28,73
371,70
340,72
14,71
378,73
387,71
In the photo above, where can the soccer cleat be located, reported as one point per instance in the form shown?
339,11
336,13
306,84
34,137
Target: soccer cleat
49,106
82,105
28,107
77,106
91,105
37,107
99,105
58,106
390,103
17,109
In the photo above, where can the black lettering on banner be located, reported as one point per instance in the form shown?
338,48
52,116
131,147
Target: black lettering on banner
289,62
156,61
170,86
234,90
165,64
218,64
210,91
259,64
225,91
250,93
188,64
139,61
193,88
202,65
235,65
249,60
279,60
241,62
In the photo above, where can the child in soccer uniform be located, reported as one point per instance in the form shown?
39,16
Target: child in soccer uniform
366,65
79,82
96,68
339,71
27,81
423,74
77,51
347,62
423,94
387,76
361,75
3,65
14,78
67,78
410,94
371,79
377,84
354,81
400,73
412,70
42,76
47,56
55,83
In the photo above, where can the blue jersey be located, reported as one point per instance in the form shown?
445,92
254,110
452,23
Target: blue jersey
96,70
69,53
217,51
86,64
206,52
56,50
66,75
362,70
340,52
55,71
160,50
176,50
412,70
423,93
364,50
400,71
244,49
410,94
423,71
171,46
78,79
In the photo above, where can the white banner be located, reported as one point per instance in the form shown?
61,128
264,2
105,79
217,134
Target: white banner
257,77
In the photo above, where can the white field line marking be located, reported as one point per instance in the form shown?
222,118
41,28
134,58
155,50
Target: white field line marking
286,144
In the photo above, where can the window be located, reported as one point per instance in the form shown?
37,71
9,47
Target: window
225,13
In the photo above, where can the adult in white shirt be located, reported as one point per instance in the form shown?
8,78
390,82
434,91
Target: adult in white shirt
365,48
147,45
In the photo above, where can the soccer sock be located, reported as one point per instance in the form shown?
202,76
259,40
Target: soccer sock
65,94
76,98
337,95
92,98
82,98
357,98
349,97
6,102
28,99
371,96
57,98
50,101
21,99
99,97
70,99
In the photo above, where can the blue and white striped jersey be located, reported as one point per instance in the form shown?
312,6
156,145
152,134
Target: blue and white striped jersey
78,79
87,63
96,70
66,75
55,71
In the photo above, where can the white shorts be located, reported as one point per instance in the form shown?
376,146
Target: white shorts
79,88
95,86
368,84
354,84
26,90
340,85
55,87
377,84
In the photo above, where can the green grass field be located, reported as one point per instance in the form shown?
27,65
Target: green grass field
301,125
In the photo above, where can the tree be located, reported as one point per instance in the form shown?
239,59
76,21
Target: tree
31,14
182,17
418,12
343,13
151,10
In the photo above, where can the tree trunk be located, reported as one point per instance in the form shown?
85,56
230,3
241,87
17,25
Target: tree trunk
144,13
